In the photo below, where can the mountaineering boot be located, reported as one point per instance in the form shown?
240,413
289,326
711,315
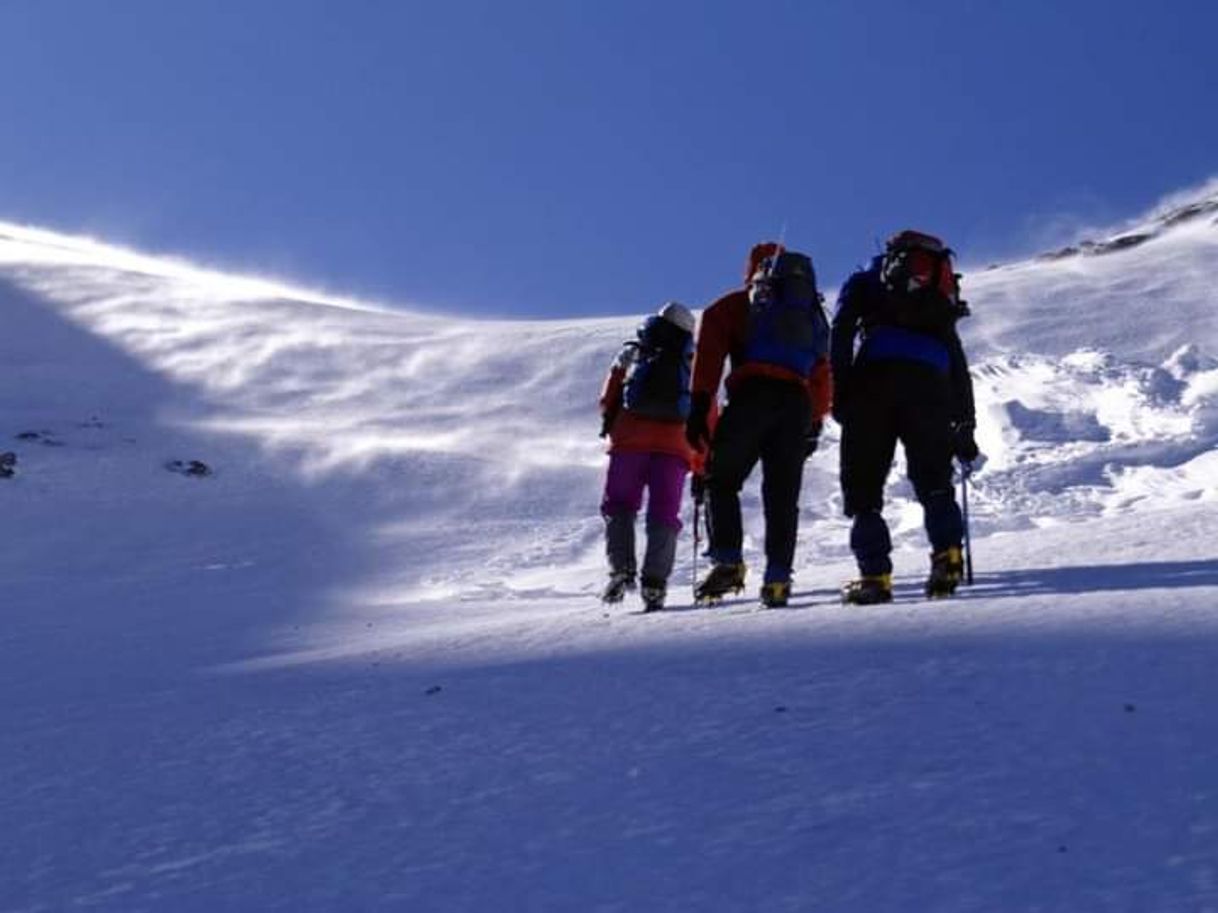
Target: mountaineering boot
868,590
946,570
722,579
619,583
653,592
776,594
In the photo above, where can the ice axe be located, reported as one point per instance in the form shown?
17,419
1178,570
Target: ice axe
966,470
698,493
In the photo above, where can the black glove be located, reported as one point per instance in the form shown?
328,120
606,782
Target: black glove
697,432
607,419
964,445
697,487
813,439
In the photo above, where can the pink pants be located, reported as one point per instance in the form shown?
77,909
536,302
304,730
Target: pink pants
662,474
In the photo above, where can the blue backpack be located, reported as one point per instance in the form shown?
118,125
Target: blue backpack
787,324
657,380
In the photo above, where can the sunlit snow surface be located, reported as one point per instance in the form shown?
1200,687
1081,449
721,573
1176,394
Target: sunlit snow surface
362,666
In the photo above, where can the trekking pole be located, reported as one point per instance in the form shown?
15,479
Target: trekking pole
966,469
694,582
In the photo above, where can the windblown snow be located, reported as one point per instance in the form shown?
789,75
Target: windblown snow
358,662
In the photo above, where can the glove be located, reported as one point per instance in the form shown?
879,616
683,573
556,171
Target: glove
607,420
813,439
697,487
964,445
697,431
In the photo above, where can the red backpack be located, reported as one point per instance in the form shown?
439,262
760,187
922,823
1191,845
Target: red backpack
921,280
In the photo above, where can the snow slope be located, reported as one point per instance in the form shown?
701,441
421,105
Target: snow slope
360,666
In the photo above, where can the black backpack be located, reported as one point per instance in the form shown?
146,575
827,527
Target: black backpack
657,380
787,324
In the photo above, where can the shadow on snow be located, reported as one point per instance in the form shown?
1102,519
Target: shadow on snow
1145,575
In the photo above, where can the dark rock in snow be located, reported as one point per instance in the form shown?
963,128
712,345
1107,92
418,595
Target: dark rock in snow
1185,213
194,468
1121,242
1059,254
46,438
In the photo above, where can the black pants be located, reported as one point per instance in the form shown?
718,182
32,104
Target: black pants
766,420
894,401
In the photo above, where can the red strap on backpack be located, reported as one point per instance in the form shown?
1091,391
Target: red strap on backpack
916,261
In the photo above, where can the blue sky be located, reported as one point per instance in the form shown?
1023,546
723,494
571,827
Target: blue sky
557,159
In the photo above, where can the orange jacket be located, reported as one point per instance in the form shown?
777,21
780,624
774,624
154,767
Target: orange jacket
722,332
635,433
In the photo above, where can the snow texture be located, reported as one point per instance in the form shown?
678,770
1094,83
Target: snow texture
355,661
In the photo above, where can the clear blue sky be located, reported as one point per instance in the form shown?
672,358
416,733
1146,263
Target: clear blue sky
544,159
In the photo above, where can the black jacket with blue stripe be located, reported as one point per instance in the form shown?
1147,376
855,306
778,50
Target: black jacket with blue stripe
866,314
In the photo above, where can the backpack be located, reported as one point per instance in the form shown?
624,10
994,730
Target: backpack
920,283
787,326
657,379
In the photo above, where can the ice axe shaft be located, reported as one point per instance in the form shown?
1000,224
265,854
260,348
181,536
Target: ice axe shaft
697,545
966,471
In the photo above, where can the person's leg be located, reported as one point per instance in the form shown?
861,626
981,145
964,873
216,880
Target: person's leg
925,432
620,504
782,471
665,489
868,444
734,452
871,544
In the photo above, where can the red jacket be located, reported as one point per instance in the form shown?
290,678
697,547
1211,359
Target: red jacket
723,331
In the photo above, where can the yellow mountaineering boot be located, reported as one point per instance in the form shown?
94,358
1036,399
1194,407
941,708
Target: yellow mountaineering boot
868,590
776,594
722,579
946,571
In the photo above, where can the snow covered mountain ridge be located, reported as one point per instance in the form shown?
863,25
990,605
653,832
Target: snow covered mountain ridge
1096,382
1172,212
358,664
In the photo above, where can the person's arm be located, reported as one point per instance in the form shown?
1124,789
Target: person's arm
841,342
964,411
820,392
820,386
612,390
711,351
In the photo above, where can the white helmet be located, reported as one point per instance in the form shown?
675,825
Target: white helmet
676,313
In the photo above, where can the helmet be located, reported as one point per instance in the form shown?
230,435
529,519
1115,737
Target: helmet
678,314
